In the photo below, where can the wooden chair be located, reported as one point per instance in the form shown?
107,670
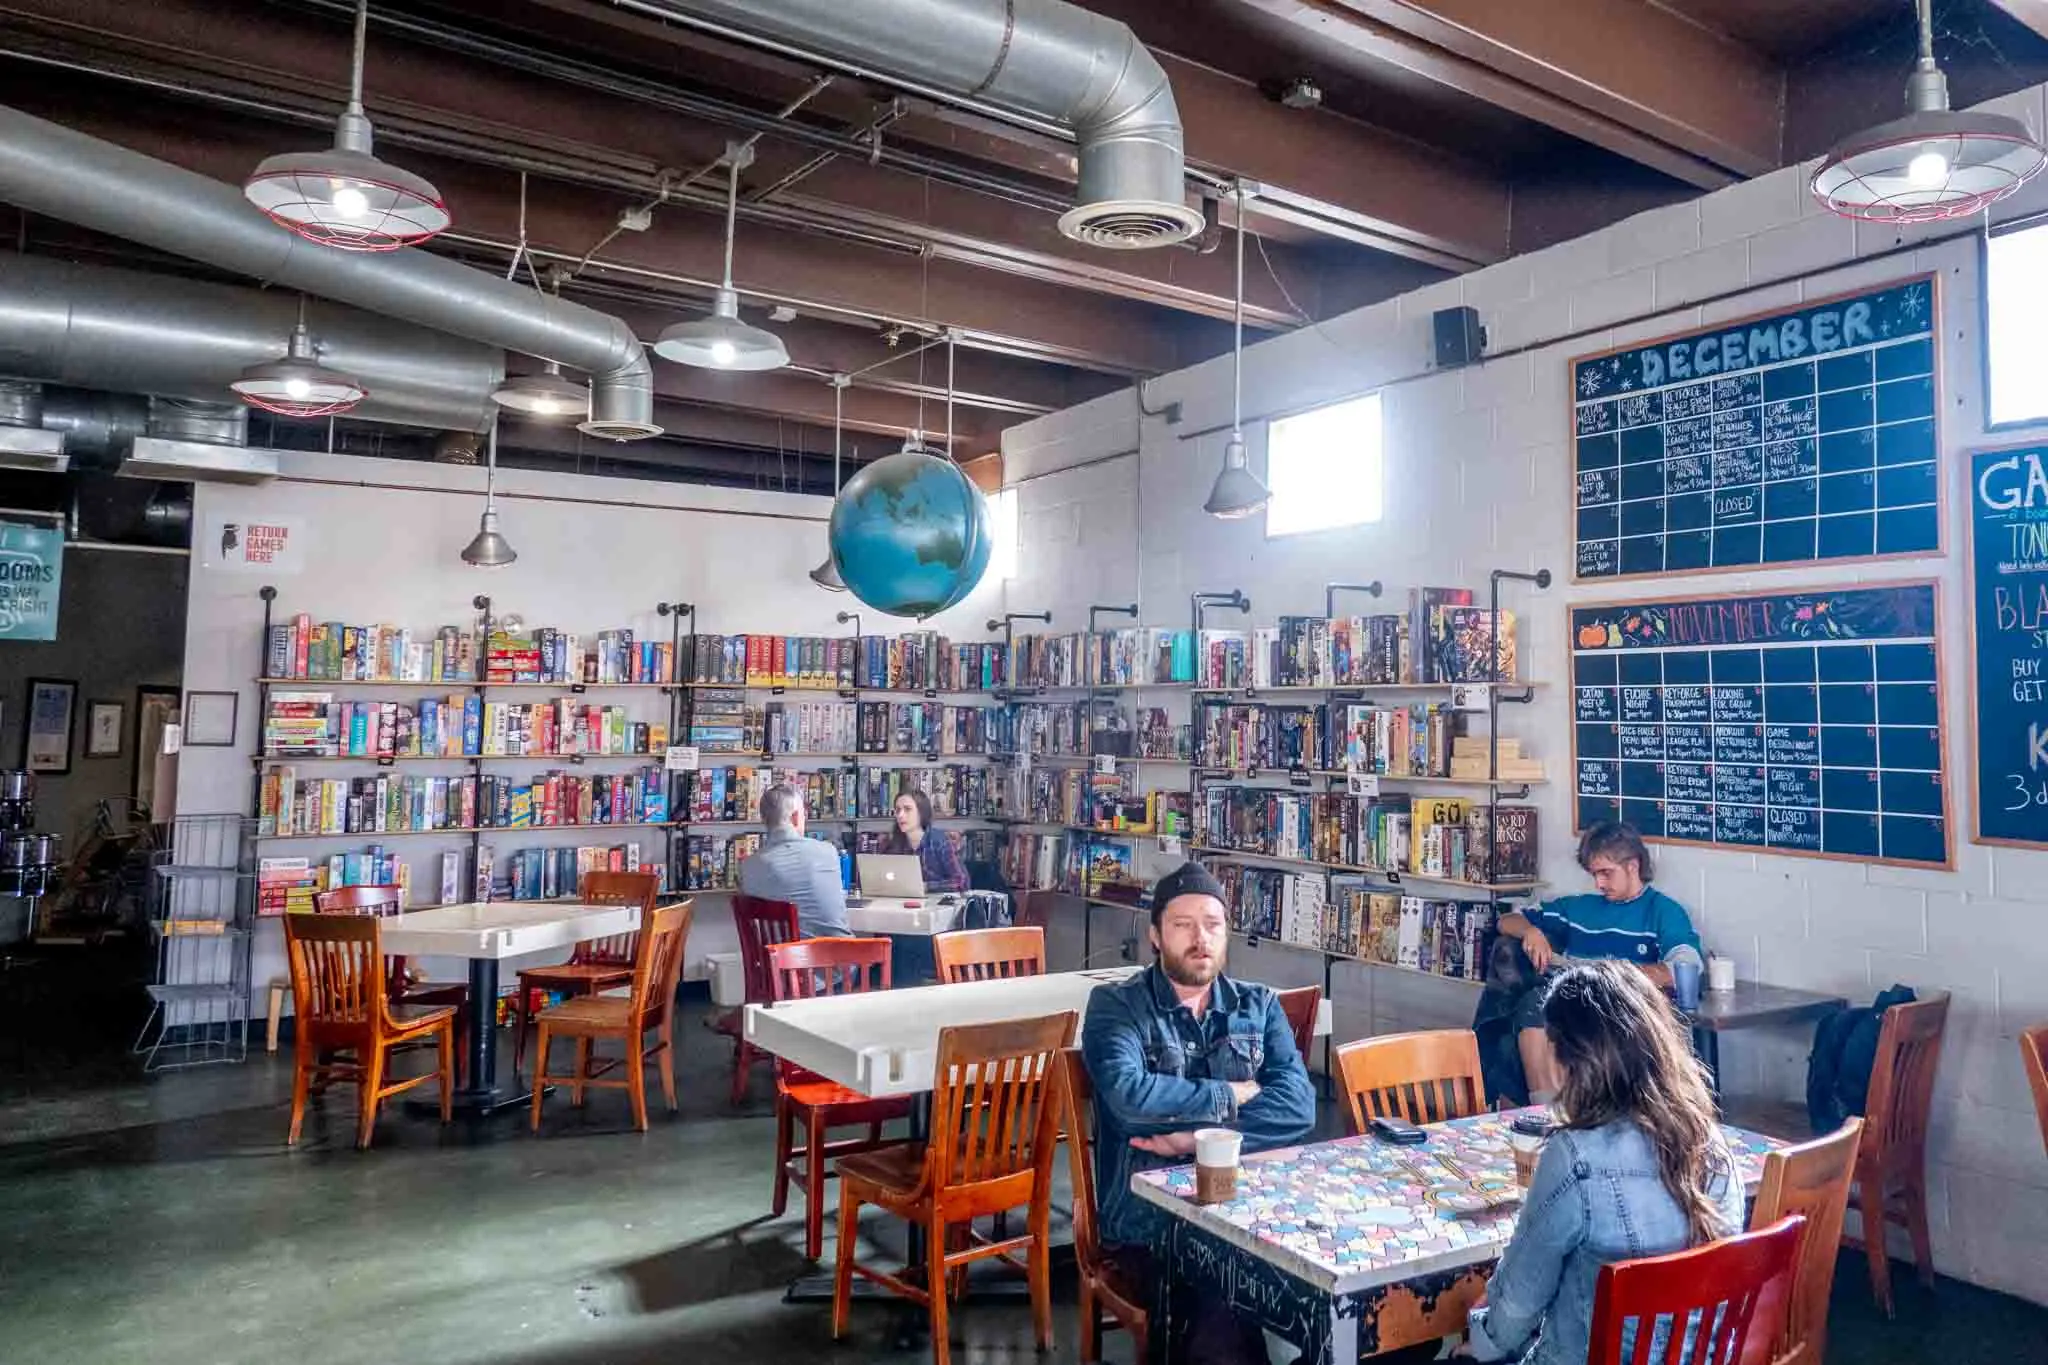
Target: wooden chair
811,967
1811,1180
1418,1077
595,965
761,924
994,1115
989,954
2034,1050
1300,1006
1735,1290
650,1004
384,901
344,1007
1101,1284
1891,1160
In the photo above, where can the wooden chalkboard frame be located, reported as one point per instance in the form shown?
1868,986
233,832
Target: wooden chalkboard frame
1969,460
1941,712
1941,547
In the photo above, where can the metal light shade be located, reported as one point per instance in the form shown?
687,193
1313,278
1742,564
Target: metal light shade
722,341
1237,491
347,199
543,395
826,576
299,385
489,550
1928,166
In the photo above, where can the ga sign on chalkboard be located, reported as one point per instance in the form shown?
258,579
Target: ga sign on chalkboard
1794,437
2009,642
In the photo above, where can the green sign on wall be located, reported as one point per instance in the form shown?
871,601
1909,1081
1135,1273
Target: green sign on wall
31,572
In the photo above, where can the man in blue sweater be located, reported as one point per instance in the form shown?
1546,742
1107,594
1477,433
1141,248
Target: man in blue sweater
1623,918
1177,1047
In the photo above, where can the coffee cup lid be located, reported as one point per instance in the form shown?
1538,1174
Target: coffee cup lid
1533,1125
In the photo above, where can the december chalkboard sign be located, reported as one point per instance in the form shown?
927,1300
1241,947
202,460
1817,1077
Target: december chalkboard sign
2009,642
1801,723
1788,438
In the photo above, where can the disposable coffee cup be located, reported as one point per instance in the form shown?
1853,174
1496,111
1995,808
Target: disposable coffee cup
1685,983
1526,1135
1216,1153
1721,974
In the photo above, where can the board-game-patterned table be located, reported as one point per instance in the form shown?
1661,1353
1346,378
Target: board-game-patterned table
1356,1245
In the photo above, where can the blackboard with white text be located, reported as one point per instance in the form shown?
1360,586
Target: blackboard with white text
2009,637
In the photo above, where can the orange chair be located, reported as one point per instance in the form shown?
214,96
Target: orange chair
344,1005
1102,1286
1811,1180
761,925
988,954
809,967
595,965
1737,1290
2034,1050
1417,1077
383,902
1891,1161
995,1115
1300,1006
650,1005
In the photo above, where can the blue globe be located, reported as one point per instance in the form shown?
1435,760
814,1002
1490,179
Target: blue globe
910,534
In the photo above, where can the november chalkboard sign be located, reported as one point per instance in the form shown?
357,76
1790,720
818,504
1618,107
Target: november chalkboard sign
1800,723
1793,437
2009,643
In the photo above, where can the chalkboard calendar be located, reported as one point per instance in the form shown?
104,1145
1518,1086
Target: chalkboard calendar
1802,723
1794,437
2009,643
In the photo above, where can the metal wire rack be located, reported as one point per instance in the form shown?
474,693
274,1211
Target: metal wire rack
202,899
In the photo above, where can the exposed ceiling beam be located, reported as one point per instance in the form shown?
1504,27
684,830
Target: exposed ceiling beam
2032,13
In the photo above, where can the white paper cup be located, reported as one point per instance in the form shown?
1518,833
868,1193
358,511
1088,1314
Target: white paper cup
1216,1153
1720,973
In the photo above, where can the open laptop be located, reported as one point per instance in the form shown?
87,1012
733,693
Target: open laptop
891,876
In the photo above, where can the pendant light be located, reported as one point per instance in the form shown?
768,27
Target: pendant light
1931,165
546,394
490,549
1237,492
722,341
343,196
299,385
826,575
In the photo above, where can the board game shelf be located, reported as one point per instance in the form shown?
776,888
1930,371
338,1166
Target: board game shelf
386,760
1397,875
464,831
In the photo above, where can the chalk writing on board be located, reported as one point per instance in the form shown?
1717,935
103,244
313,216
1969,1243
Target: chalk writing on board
2009,575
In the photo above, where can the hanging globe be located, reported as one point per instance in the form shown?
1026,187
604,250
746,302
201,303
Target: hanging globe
910,534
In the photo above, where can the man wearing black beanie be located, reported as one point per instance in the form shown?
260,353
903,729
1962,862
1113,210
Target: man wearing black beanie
1181,1046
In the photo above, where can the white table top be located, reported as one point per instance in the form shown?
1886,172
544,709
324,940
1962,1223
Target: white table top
885,1043
502,929
882,915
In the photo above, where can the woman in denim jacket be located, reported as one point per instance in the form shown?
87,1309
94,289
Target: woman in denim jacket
1638,1167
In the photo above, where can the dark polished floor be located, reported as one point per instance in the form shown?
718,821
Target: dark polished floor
163,1220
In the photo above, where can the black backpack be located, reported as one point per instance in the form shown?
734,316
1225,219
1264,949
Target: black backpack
1844,1052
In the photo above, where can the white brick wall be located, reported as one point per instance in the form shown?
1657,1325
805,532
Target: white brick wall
1478,477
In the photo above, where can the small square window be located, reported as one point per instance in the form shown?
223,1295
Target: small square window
1324,468
2016,323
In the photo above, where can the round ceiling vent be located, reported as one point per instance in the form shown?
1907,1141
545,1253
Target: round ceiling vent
1131,224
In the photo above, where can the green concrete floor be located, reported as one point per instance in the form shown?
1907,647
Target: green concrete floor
163,1220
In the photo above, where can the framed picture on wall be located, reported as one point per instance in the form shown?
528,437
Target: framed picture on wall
210,719
103,727
156,709
46,738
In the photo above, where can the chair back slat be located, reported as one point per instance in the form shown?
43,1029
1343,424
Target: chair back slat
1811,1180
1300,1006
1416,1077
2034,1051
1078,1113
664,935
989,954
761,925
994,1113
1730,1295
616,888
1902,1080
337,969
382,901
828,966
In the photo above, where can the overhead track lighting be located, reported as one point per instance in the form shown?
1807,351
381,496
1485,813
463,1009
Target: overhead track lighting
344,196
1237,491
1931,165
299,385
490,549
722,341
826,575
546,394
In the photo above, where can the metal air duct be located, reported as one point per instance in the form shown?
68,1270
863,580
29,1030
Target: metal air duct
1042,63
67,175
96,327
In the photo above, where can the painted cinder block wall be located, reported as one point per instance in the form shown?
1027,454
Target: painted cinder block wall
1479,476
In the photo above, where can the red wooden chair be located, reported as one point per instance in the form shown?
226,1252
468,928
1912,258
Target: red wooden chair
762,924
1300,1006
1102,1285
595,965
1732,1295
805,968
2034,1052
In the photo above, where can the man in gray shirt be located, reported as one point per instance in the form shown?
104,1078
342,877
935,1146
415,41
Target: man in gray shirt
791,867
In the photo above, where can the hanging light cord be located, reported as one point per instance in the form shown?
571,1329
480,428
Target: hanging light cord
491,469
1926,12
355,75
950,452
732,205
1237,326
838,418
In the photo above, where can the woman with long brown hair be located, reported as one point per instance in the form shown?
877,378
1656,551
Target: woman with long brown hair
1637,1166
